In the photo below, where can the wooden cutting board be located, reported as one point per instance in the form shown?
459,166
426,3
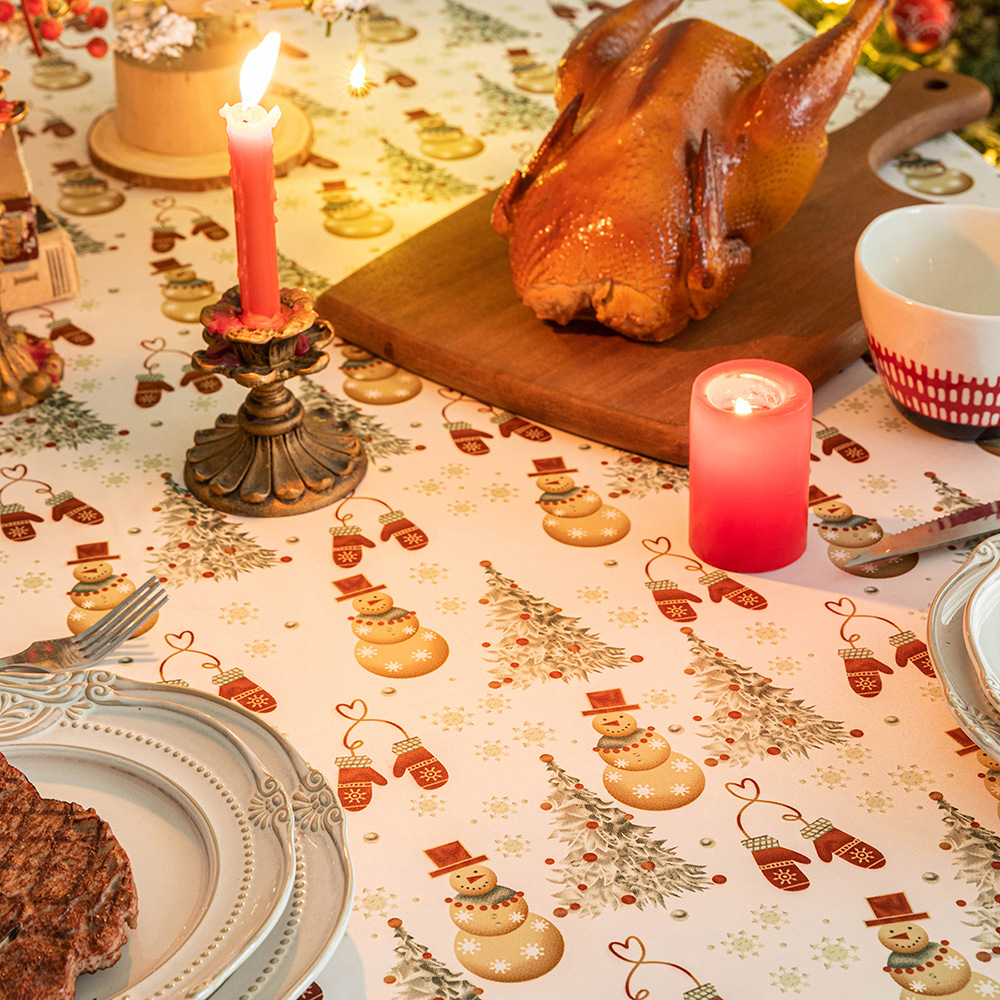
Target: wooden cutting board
442,304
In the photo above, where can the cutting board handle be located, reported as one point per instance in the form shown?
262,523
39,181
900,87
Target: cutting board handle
918,106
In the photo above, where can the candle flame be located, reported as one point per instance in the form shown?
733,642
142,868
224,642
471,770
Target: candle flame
358,82
258,67
742,406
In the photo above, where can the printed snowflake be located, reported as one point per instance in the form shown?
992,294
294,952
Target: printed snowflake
514,846
430,487
592,595
659,698
892,423
908,512
153,463
238,614
988,989
462,916
633,617
500,966
931,690
494,702
426,805
492,750
428,573
785,665
450,606
500,492
789,980
855,753
496,808
462,508
374,902
766,632
452,718
87,463
533,950
33,582
114,480
832,953
875,802
912,778
455,470
467,945
830,777
878,484
534,734
742,945
770,916
260,647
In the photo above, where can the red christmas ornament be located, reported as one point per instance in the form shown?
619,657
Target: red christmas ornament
921,25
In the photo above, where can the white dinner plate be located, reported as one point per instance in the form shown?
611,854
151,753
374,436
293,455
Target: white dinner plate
982,625
206,827
966,695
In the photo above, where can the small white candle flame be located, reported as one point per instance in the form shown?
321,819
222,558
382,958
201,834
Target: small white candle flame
359,78
742,406
258,67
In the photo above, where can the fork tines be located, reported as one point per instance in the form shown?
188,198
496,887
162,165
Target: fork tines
119,623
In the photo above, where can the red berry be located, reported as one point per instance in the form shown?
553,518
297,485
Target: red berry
6,11
97,17
921,25
97,47
50,29
79,6
34,8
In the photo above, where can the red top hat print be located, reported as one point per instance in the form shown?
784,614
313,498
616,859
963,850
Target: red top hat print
891,908
550,467
611,700
91,552
450,857
354,586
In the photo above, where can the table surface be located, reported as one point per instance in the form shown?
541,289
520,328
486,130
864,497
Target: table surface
746,687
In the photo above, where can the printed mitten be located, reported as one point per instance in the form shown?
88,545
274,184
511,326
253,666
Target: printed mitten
834,441
354,781
234,685
427,770
721,585
909,649
347,542
467,439
779,865
673,603
704,991
149,388
511,423
400,78
70,331
16,523
207,225
66,505
59,127
164,238
863,671
395,525
204,382
828,841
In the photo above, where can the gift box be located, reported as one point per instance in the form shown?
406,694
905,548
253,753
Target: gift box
49,276
18,224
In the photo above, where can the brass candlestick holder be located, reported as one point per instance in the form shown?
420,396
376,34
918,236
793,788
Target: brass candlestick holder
271,458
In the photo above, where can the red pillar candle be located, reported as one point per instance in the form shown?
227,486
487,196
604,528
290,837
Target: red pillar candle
749,440
251,173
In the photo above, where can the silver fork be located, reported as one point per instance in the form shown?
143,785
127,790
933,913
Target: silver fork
93,643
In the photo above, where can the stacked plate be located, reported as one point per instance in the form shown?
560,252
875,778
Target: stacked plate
236,843
963,629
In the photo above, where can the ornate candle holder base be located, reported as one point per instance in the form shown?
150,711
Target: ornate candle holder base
271,458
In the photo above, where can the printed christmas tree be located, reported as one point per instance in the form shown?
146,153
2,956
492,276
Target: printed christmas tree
468,26
202,544
611,860
58,422
415,179
751,717
83,242
539,643
636,475
975,852
950,499
418,975
377,441
291,274
508,111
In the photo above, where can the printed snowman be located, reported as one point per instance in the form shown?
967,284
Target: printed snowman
990,774
386,30
184,293
931,176
575,514
529,74
641,770
371,379
98,589
350,216
391,640
917,964
56,72
498,938
440,140
848,533
81,193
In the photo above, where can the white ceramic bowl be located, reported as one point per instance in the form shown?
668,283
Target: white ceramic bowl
928,281
982,623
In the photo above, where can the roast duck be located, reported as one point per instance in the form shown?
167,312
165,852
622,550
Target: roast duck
676,151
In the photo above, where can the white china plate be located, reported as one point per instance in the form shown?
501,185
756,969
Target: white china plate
966,696
982,625
207,828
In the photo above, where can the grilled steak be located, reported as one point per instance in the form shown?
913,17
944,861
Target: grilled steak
66,892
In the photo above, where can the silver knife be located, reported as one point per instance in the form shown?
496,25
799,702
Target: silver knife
983,519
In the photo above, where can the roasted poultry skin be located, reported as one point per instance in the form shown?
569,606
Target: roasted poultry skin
677,150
